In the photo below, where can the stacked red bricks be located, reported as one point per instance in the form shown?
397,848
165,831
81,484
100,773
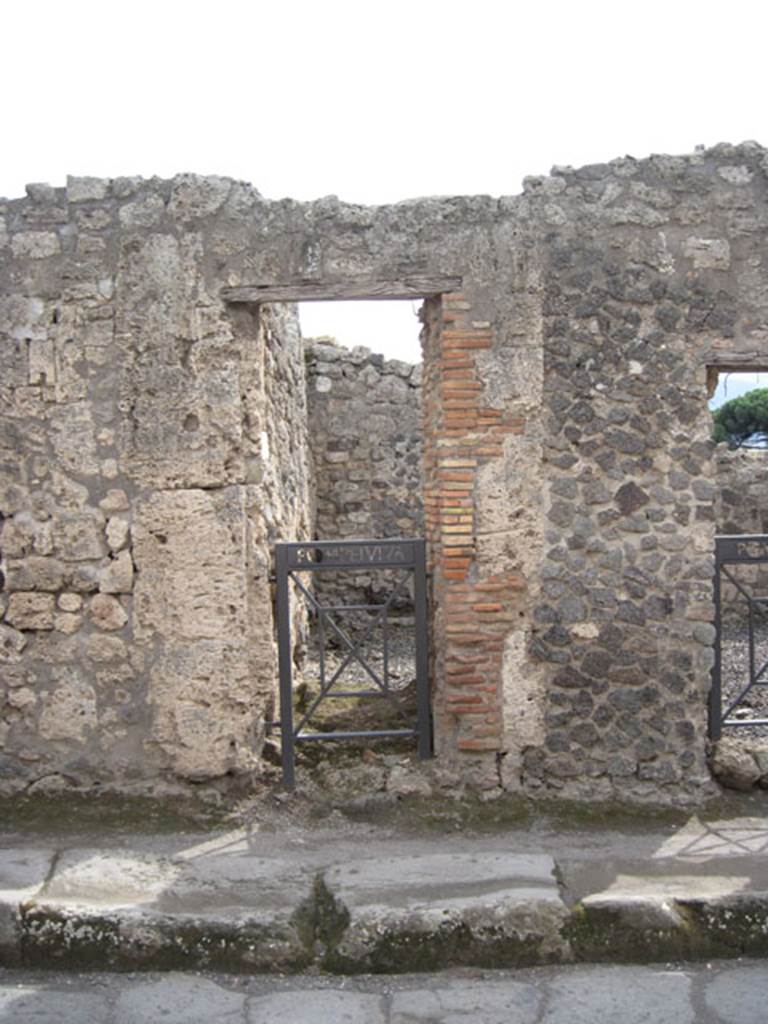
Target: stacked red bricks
475,614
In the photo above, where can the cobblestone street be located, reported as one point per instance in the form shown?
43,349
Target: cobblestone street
718,993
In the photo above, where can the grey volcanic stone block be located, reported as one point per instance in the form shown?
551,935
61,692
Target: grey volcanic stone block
424,912
738,996
601,995
52,1004
508,1002
179,999
324,1006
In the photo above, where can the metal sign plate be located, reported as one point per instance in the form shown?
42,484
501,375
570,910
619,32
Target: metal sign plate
351,554
741,548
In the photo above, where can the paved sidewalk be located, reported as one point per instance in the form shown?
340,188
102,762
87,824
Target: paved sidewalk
365,899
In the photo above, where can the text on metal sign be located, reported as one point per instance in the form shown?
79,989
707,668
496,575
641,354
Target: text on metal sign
363,554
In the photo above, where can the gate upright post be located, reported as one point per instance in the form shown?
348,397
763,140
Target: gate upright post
422,656
715,692
285,665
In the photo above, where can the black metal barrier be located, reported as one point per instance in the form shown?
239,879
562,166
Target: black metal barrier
291,560
736,691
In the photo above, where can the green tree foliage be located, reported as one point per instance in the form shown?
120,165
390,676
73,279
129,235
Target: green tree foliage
743,422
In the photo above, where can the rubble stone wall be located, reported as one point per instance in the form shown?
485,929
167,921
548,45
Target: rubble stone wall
741,506
742,490
140,490
658,274
365,437
570,493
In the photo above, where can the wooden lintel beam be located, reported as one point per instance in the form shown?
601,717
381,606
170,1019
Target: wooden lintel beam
738,362
410,287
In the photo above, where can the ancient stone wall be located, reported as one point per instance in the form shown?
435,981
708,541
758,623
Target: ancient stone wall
570,494
140,488
741,504
365,437
651,279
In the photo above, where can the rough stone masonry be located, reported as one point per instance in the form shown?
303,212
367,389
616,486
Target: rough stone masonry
153,446
364,419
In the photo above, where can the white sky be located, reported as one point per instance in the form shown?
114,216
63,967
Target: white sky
372,102
731,385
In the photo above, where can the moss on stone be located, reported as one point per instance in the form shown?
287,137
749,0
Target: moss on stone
237,945
472,813
577,815
602,935
736,926
451,945
57,938
109,813
403,951
704,930
61,938
320,920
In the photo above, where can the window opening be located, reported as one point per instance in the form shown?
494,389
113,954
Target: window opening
739,698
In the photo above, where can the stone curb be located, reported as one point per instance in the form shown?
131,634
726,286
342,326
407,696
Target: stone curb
641,929
381,915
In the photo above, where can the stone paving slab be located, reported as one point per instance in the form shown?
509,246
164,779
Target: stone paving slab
672,876
179,999
24,869
207,884
456,1002
324,1006
702,993
50,1005
91,877
451,878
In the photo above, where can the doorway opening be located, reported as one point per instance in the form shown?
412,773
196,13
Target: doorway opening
353,632
739,699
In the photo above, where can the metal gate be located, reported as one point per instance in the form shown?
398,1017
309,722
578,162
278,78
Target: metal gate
293,560
739,694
